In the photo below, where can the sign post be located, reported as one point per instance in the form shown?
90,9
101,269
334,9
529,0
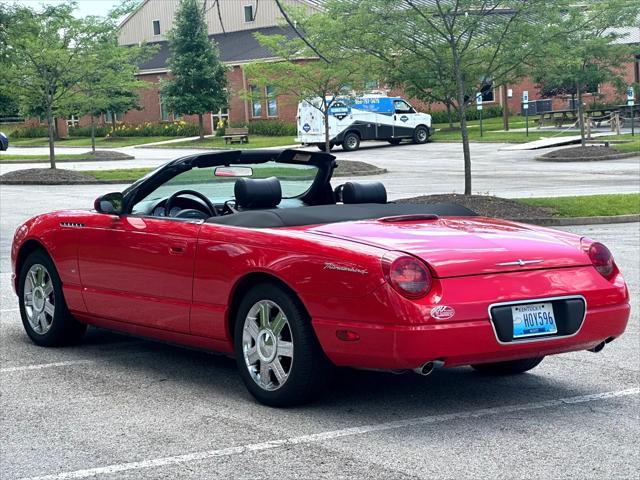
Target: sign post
479,108
631,105
525,107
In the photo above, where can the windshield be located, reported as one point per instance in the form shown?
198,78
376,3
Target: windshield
295,180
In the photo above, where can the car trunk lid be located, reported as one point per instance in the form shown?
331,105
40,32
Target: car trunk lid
465,246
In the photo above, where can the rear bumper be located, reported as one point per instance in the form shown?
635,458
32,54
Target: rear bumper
456,343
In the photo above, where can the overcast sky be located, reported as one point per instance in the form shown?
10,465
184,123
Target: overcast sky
85,7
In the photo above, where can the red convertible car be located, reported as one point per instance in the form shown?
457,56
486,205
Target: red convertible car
254,254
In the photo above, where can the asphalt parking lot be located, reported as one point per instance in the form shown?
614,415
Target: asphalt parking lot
117,407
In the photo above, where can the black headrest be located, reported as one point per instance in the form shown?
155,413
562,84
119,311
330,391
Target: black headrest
257,192
371,192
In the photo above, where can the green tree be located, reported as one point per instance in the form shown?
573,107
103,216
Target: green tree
301,74
198,81
49,58
595,51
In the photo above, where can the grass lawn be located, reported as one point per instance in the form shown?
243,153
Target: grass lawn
492,131
255,141
590,205
86,142
132,174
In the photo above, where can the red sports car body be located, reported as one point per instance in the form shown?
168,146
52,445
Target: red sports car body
325,279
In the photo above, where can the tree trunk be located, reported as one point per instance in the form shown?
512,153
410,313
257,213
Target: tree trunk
327,140
56,134
52,134
466,152
449,115
113,124
93,133
201,125
581,116
505,109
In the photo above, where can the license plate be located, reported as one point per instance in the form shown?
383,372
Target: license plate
533,319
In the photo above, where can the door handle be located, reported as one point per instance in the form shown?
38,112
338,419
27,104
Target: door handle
177,249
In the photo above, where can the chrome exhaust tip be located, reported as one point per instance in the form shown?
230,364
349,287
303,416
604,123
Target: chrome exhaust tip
428,367
598,347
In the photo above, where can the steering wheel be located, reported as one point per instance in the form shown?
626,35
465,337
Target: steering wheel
170,201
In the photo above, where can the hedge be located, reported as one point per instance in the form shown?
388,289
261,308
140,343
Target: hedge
29,132
472,114
269,128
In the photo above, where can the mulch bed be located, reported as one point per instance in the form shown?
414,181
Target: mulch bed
97,156
585,154
46,176
486,206
347,168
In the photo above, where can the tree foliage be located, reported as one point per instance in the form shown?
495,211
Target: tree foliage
298,74
198,81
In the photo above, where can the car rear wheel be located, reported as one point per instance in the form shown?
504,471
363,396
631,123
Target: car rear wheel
420,134
351,142
394,141
45,315
512,367
277,352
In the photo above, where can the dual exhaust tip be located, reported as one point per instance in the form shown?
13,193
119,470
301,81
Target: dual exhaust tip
428,367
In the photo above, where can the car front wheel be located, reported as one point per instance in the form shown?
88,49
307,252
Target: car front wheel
420,135
277,352
44,313
512,367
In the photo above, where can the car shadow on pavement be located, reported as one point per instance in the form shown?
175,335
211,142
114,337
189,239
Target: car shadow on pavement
366,395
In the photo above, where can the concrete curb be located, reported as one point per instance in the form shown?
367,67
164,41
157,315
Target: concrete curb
542,158
560,222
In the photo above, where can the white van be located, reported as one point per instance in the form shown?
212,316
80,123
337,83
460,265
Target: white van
368,117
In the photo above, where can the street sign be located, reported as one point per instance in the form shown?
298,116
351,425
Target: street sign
479,101
630,96
525,99
509,93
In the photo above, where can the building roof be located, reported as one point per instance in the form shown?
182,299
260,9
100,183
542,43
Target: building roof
235,47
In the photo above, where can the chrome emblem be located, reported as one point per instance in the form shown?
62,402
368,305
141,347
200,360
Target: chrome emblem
443,312
519,262
345,268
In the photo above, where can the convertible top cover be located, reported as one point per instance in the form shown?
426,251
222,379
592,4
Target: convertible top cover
322,214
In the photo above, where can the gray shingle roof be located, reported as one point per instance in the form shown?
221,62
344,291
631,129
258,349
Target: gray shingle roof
235,47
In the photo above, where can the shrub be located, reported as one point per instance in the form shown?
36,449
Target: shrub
270,128
30,132
472,114
101,131
147,129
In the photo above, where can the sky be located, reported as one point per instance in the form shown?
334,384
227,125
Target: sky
85,7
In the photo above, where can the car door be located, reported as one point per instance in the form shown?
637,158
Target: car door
403,119
138,269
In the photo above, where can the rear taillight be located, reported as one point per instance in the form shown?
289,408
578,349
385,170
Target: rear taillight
601,258
407,275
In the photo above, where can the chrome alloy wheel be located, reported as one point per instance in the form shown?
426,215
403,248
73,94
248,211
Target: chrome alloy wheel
421,135
267,345
39,299
352,142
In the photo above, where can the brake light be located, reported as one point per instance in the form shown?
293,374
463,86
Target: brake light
602,260
407,275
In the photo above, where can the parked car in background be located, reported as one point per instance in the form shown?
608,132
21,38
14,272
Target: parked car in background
367,117
4,141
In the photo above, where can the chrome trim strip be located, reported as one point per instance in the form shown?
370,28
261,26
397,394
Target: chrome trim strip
537,300
520,263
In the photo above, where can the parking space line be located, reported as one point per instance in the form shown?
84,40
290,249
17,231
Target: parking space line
38,366
331,435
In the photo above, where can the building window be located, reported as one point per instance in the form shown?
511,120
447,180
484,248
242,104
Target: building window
156,27
487,92
108,117
73,121
256,103
272,102
248,13
164,111
636,69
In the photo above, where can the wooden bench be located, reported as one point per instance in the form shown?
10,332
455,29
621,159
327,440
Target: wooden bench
240,135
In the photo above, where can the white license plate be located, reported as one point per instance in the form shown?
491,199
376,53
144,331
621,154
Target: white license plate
533,319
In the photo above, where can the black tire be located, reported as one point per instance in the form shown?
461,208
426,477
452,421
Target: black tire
309,368
63,328
351,142
394,141
420,134
323,148
512,367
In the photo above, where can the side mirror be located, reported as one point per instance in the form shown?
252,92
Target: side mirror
112,203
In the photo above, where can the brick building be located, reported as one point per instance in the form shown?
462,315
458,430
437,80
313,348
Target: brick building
233,28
